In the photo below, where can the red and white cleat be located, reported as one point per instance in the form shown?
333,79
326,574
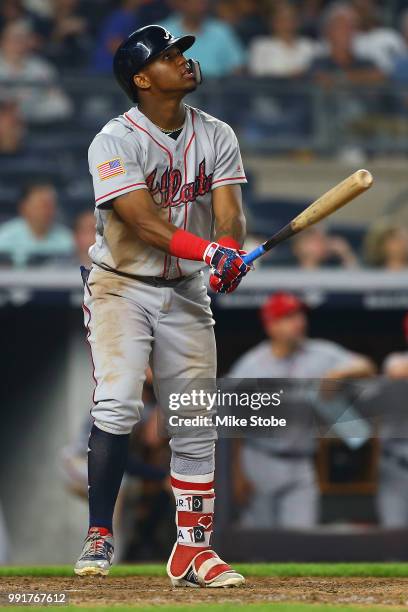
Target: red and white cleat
204,569
192,562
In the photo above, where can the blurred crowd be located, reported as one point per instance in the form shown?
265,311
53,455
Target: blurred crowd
45,192
355,42
36,236
365,39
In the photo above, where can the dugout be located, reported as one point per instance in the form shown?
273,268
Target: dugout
47,388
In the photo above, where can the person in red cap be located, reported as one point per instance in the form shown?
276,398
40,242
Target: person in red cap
274,477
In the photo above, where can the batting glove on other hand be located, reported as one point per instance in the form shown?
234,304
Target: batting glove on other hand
218,286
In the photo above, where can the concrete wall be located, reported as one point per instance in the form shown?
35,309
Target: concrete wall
308,178
46,524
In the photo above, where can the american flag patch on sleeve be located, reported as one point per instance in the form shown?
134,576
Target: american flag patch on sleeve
110,168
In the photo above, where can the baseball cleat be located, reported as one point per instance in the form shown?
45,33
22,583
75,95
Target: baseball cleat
189,580
189,567
97,554
229,579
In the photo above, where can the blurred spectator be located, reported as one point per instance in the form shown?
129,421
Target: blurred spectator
340,60
396,368
314,248
12,129
310,12
373,41
284,53
35,233
43,8
19,154
275,476
217,47
386,246
12,11
19,68
392,498
68,43
154,11
400,67
395,365
84,237
246,17
117,26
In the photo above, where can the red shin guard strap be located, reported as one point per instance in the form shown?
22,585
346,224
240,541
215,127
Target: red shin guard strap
216,571
204,556
197,487
186,245
194,519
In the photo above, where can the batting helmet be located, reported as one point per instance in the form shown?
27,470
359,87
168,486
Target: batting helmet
139,48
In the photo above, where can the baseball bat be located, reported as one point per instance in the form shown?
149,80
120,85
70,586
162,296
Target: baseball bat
324,206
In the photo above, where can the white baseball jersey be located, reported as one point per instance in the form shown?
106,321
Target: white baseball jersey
132,153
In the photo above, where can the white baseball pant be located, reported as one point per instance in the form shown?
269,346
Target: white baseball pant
132,323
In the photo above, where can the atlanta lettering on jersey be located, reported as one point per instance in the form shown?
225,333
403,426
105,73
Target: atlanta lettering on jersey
169,190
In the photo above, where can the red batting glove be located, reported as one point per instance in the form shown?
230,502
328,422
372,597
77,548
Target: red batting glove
227,264
219,286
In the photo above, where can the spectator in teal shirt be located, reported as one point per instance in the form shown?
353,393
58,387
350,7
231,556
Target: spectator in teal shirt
217,47
34,233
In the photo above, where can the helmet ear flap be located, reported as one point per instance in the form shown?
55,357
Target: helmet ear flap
195,68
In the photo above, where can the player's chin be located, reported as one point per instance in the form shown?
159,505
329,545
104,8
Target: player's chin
190,85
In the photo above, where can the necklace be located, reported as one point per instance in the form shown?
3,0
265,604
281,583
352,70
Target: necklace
169,131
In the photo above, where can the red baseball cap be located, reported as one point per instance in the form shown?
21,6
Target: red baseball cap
280,305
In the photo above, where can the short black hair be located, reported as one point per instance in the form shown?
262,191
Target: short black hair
28,188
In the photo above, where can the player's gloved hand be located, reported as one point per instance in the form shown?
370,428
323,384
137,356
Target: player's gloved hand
227,265
218,286
228,268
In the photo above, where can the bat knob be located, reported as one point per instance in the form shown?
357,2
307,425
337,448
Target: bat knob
365,178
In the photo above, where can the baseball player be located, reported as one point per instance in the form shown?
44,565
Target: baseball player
279,472
168,203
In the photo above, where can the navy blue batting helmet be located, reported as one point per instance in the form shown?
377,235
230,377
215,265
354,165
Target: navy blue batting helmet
139,48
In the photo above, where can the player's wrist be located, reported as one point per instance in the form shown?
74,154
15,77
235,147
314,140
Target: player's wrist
186,245
230,242
210,252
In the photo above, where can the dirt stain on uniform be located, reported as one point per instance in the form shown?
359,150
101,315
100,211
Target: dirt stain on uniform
128,252
109,315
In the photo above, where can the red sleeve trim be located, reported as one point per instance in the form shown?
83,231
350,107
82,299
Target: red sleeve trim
230,178
121,189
